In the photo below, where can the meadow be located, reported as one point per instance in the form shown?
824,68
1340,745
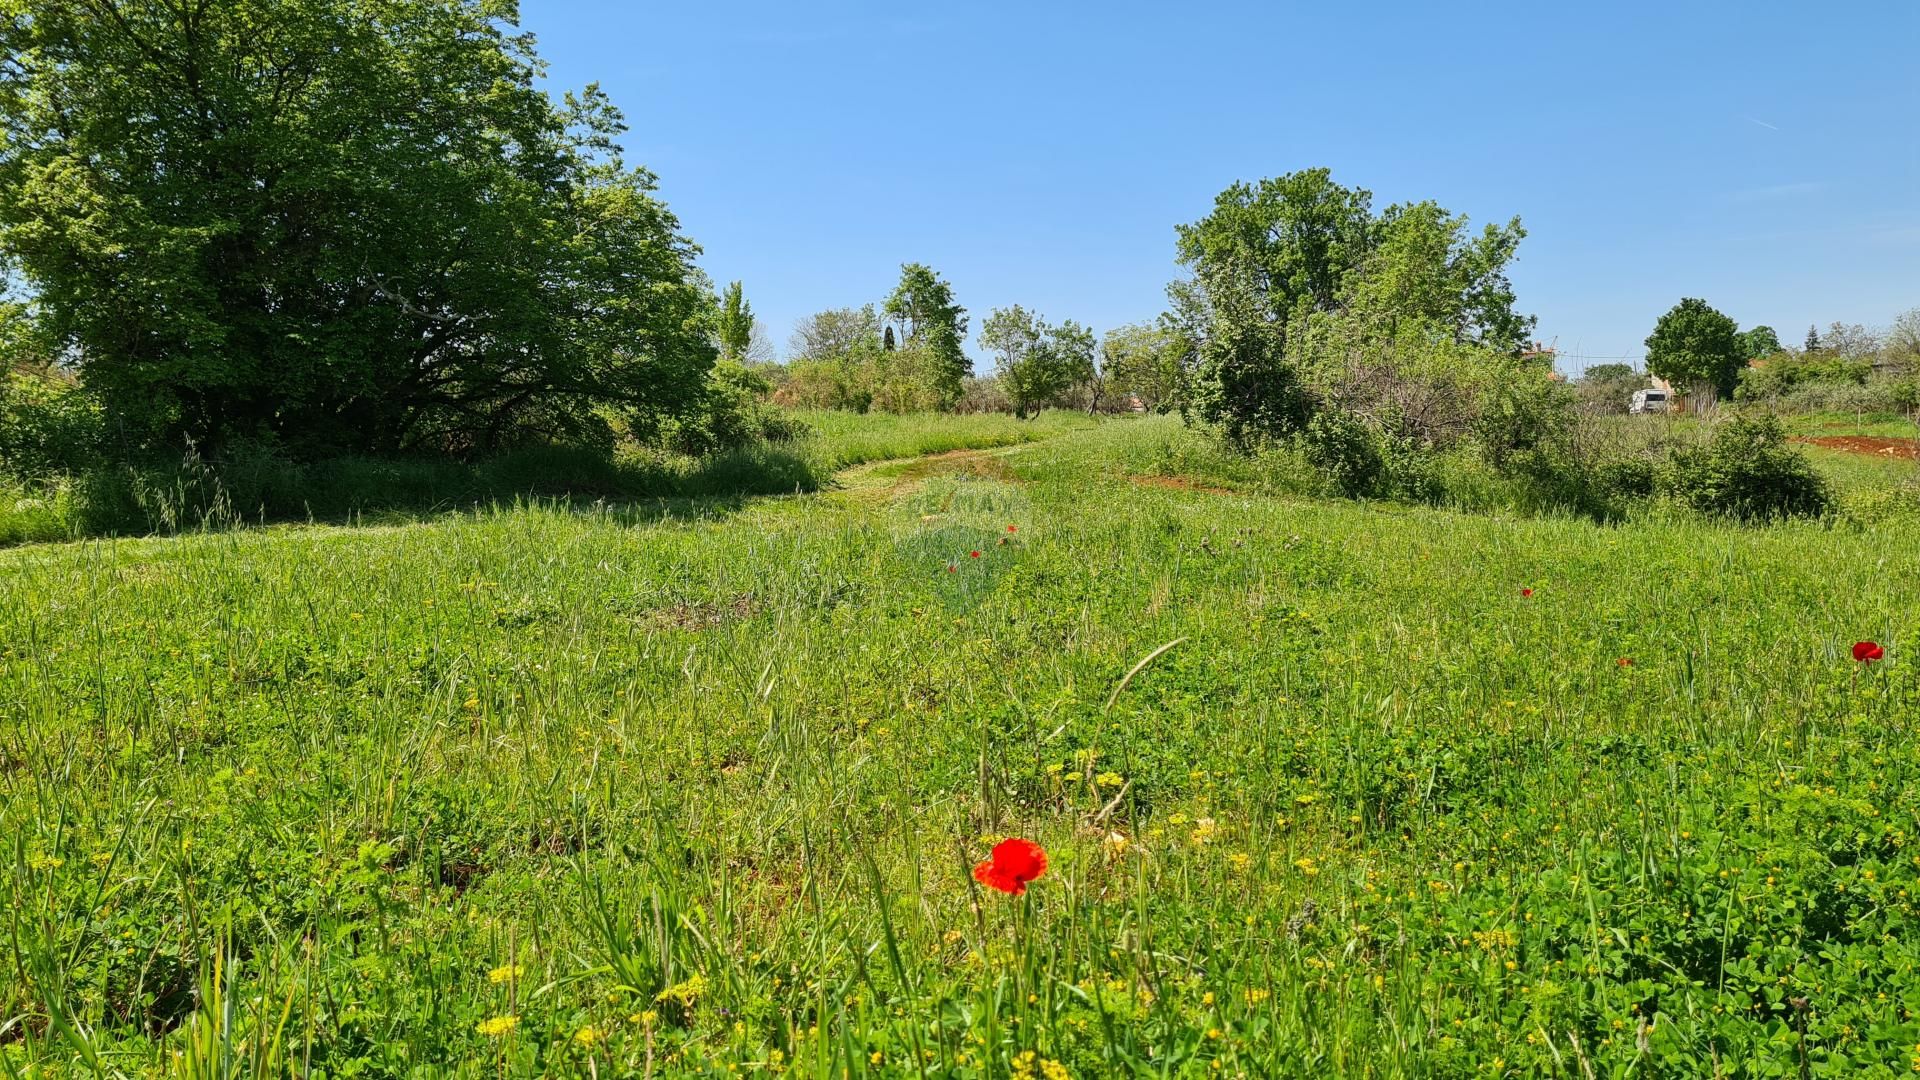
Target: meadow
697,786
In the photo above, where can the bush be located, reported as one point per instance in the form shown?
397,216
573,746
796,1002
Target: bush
1521,411
48,426
1344,449
1411,471
1625,478
732,413
1782,373
1888,396
1745,471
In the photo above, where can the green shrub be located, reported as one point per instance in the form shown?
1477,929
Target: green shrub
1521,411
40,512
1411,471
1745,471
733,412
1887,396
1624,478
1782,373
48,425
1346,451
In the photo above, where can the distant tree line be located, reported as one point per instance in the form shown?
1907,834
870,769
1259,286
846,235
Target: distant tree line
1704,354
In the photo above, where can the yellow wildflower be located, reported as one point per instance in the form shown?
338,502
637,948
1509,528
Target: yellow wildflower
497,1026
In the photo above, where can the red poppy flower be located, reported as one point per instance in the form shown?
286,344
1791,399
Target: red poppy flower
1526,592
1013,528
1625,661
1012,863
1867,652
951,568
973,554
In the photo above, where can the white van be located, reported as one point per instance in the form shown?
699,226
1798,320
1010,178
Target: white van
1649,401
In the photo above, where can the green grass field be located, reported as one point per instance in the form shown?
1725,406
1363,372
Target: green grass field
695,787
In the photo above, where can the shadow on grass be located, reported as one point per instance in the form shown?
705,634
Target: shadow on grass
156,498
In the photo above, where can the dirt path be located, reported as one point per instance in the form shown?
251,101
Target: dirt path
892,477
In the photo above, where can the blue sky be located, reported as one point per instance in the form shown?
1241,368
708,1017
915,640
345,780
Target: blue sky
1765,157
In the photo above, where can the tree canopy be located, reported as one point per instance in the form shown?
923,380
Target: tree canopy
336,225
1036,361
1296,279
1146,360
1758,342
1695,345
923,308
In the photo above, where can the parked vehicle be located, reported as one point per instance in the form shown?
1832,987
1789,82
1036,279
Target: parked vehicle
1650,401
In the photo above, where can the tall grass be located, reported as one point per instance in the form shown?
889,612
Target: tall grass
574,792
842,439
170,497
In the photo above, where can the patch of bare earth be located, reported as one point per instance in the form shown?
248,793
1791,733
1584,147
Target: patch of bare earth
1876,445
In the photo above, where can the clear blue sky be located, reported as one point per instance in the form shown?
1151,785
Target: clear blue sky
1765,157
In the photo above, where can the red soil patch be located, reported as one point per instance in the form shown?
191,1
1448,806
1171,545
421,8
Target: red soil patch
1178,483
1877,445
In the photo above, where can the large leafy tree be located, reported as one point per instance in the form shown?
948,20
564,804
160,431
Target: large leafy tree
1695,346
1282,268
1036,361
336,224
923,309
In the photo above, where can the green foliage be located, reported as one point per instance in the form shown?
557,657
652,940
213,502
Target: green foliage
1745,471
733,325
923,308
1519,409
48,425
983,395
1297,286
1346,451
1903,339
1243,380
336,225
1781,373
1284,246
1693,346
1147,361
829,336
1758,342
1036,362
733,413
1424,269
841,361
835,361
